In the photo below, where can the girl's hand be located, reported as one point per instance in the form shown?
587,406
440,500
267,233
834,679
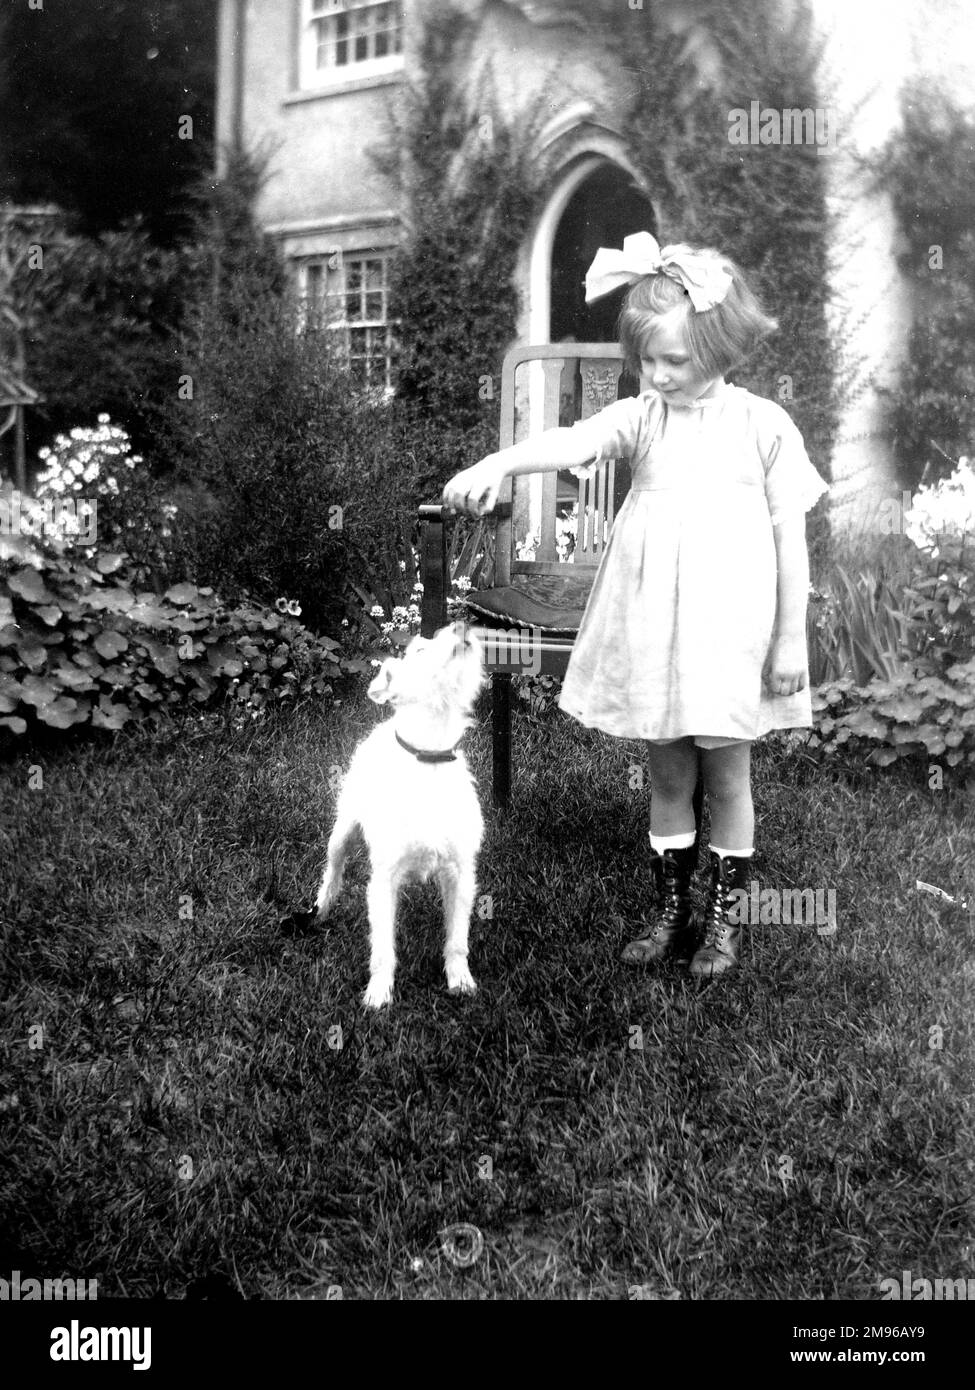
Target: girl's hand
784,671
476,489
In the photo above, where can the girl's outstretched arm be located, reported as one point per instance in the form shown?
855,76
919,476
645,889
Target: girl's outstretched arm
785,666
475,490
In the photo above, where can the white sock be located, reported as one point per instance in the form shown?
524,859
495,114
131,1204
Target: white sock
734,853
684,840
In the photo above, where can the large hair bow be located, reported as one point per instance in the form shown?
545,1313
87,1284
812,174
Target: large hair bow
701,273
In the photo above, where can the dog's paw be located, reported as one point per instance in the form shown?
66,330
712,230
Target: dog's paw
379,993
303,923
461,981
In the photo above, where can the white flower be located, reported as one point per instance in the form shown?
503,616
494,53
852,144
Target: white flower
91,473
947,508
103,419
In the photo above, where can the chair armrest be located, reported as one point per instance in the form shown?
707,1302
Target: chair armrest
434,519
433,567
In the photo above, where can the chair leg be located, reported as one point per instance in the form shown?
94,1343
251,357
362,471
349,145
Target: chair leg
501,735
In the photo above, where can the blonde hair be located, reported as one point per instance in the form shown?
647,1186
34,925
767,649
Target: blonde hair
717,339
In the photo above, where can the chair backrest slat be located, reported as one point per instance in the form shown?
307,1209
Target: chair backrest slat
552,372
541,387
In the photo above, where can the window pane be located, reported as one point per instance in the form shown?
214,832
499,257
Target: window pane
357,299
361,31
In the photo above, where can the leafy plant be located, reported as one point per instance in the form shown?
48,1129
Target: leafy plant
922,703
80,645
915,713
856,627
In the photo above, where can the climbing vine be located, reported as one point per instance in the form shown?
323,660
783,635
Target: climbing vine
469,189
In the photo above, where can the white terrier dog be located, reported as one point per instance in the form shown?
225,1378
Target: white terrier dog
410,791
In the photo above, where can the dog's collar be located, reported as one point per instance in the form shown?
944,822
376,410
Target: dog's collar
427,755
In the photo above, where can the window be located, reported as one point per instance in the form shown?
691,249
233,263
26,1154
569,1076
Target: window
343,40
347,294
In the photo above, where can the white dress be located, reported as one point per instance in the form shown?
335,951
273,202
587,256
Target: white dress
681,613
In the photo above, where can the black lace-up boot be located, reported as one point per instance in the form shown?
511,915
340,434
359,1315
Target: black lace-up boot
670,934
723,916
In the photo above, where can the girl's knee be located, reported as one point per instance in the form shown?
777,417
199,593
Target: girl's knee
727,772
673,769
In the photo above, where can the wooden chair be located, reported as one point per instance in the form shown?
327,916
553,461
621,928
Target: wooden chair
529,611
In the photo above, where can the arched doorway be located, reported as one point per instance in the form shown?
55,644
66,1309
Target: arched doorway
606,207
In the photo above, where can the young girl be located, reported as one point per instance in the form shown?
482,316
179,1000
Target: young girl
694,635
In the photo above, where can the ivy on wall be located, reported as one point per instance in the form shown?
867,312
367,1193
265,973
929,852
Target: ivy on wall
469,191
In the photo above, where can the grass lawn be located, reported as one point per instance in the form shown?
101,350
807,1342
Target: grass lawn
209,1102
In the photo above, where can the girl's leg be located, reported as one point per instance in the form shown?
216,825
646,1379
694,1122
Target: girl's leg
673,777
728,782
673,854
727,777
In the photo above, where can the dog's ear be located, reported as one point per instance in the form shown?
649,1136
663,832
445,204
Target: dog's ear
381,689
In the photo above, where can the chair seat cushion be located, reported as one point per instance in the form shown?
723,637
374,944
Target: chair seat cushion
522,607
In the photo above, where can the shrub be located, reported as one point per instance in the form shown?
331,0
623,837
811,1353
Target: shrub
929,171
313,484
102,332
